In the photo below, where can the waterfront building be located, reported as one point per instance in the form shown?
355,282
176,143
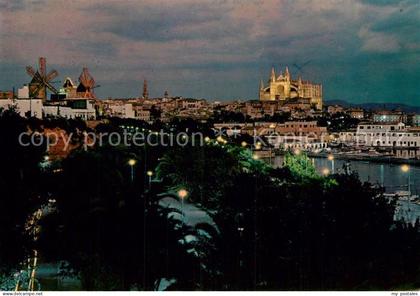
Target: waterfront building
283,88
416,120
386,135
304,135
389,116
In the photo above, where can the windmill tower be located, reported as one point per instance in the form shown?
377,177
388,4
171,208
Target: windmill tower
145,90
41,81
86,85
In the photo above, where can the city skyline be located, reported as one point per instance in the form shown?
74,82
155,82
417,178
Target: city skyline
361,51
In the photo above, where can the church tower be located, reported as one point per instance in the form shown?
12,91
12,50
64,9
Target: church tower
261,85
287,74
273,75
145,90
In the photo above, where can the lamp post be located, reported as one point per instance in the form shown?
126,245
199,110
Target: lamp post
325,171
331,158
182,194
405,168
150,174
132,163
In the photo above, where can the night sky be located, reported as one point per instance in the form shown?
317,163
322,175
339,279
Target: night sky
361,50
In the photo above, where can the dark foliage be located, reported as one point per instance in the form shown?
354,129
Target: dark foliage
20,181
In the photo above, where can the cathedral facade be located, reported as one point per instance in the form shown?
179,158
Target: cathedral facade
284,88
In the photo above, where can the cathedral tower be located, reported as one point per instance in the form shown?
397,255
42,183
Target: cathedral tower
145,90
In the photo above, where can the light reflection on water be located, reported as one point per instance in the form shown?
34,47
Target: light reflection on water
388,175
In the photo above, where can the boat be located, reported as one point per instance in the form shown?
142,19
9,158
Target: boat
403,196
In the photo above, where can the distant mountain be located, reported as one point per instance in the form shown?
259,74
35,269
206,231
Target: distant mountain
376,106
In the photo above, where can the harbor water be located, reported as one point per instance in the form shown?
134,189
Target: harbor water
390,176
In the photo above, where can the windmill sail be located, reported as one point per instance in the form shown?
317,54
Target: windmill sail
86,85
41,80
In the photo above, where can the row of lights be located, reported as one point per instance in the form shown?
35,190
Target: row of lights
132,162
182,193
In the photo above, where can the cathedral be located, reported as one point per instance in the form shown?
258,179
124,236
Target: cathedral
283,88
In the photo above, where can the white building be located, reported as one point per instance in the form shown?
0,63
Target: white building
75,108
382,135
119,109
416,120
306,143
25,106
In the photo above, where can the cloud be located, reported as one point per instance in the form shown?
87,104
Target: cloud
378,41
209,48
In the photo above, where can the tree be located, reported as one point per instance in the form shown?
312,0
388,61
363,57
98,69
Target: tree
115,234
19,186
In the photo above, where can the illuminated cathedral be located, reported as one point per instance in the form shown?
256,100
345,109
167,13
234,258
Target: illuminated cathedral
284,88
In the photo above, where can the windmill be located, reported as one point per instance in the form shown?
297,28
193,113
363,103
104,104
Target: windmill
41,80
86,85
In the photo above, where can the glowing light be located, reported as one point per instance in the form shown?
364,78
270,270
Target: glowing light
331,157
220,139
405,168
243,144
207,139
325,172
132,162
182,193
297,151
255,157
46,158
149,173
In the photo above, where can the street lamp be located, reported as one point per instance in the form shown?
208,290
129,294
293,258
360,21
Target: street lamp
132,163
325,171
243,144
150,174
405,168
331,158
182,194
